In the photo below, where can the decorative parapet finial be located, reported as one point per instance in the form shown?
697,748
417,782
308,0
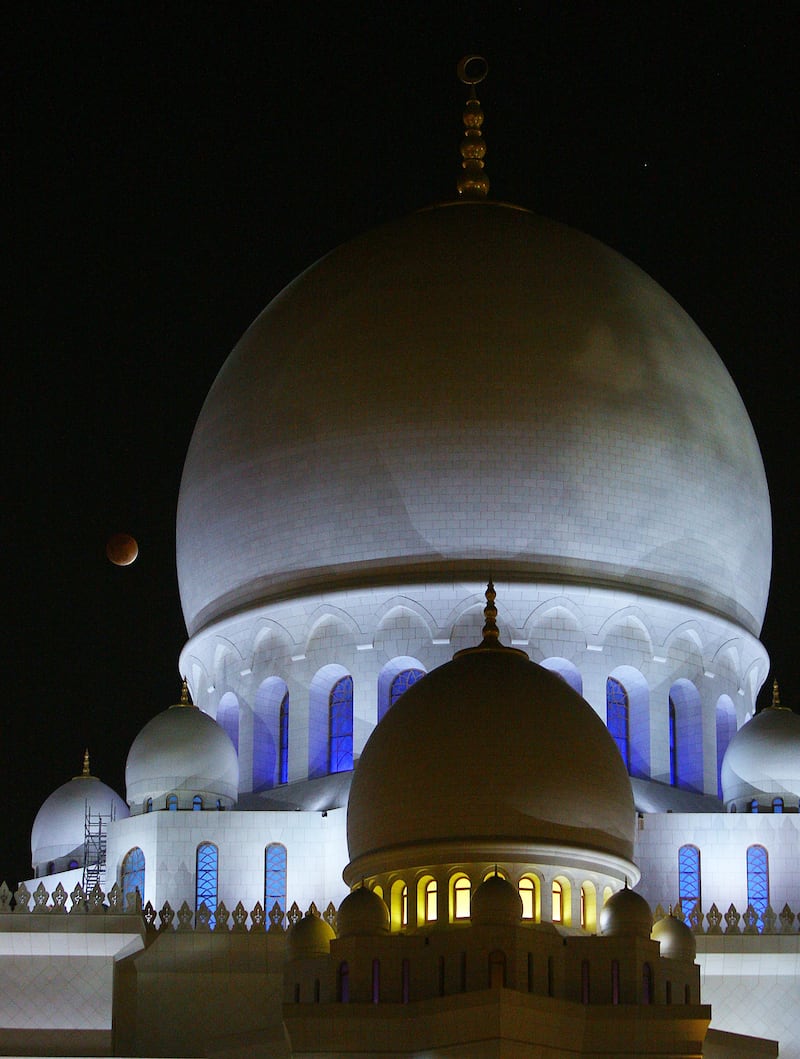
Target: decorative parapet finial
473,183
491,634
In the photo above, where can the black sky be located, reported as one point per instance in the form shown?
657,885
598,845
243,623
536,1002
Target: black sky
171,169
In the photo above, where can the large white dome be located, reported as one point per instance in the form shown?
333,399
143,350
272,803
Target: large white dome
473,382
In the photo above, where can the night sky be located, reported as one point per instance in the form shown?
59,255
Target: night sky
173,167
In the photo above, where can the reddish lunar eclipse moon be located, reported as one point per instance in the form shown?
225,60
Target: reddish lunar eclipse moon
122,549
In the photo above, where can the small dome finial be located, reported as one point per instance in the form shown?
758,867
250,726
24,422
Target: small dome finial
86,771
776,694
473,183
490,633
185,700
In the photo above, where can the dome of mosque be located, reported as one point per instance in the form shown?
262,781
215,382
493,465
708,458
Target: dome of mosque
626,913
473,357
495,901
310,936
762,761
184,752
676,939
60,825
362,912
494,756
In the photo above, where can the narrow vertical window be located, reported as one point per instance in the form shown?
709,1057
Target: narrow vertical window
132,874
283,740
461,898
431,901
615,981
583,907
401,683
558,901
617,718
777,805
274,877
528,895
197,803
647,984
689,878
673,745
344,982
584,981
207,869
497,969
405,985
758,882
340,727
172,803
754,805
148,805
376,981
404,907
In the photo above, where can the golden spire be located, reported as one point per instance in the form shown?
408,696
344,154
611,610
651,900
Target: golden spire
491,634
85,773
185,700
776,697
473,183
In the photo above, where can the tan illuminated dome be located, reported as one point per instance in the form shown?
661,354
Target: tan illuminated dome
676,939
626,913
468,358
490,757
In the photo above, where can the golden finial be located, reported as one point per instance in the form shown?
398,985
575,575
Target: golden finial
491,634
776,694
86,771
185,700
473,183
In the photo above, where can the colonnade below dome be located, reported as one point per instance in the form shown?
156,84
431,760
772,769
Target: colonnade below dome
673,685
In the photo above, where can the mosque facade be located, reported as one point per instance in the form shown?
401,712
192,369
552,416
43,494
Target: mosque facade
395,812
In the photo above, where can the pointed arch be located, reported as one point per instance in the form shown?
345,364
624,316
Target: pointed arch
228,717
394,679
565,669
271,695
320,693
132,874
628,718
726,730
686,709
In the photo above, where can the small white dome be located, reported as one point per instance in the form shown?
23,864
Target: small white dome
762,761
362,912
676,939
59,828
184,752
626,913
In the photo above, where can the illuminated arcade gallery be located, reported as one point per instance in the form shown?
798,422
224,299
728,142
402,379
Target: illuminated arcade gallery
397,812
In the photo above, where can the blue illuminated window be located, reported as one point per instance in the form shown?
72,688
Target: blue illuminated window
617,712
172,803
758,882
688,877
400,684
673,745
207,868
777,805
274,877
197,803
283,741
132,874
340,730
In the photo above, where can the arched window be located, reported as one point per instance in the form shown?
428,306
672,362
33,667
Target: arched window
689,878
197,803
340,726
673,745
274,877
395,679
132,877
529,894
172,803
283,740
148,805
777,805
617,718
558,902
207,869
431,901
758,882
754,805
404,906
461,898
588,906
228,717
